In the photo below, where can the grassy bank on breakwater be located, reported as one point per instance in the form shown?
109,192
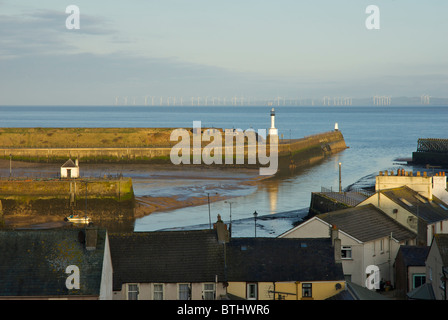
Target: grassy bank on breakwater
137,145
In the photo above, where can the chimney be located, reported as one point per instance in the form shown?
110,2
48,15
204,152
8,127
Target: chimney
336,243
91,238
76,162
221,231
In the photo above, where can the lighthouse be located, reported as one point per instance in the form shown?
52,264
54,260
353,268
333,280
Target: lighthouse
273,131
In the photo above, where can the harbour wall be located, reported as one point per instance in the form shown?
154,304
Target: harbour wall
105,201
149,145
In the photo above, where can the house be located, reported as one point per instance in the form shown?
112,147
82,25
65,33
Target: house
437,268
168,265
65,264
424,216
368,237
209,265
70,169
289,269
410,269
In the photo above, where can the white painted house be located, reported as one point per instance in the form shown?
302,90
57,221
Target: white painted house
367,235
70,169
418,202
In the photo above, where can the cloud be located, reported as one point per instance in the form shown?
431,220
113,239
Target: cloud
44,32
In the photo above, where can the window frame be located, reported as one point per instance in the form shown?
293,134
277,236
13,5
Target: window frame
129,291
154,291
346,249
248,290
208,291
179,292
419,275
308,288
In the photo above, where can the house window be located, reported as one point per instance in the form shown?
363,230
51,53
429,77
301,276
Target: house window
346,252
184,291
132,291
252,291
209,291
418,279
158,291
307,290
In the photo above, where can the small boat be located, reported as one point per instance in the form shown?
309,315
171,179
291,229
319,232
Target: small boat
77,219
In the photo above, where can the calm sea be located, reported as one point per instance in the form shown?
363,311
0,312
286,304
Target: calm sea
377,136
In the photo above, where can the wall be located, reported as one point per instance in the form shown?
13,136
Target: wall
170,291
107,273
312,228
323,204
120,189
141,146
289,290
421,184
434,272
109,203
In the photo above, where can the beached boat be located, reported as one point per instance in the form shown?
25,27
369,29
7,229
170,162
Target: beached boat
78,219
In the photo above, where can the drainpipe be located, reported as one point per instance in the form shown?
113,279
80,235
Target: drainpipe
445,271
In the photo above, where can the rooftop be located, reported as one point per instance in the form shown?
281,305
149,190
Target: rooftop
33,262
429,210
166,256
282,259
367,223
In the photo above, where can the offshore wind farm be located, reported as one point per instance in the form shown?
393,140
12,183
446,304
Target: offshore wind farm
242,100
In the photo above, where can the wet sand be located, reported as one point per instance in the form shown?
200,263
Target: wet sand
156,187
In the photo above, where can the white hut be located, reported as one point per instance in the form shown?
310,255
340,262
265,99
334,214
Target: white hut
70,169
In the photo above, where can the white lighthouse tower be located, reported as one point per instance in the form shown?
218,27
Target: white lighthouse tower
273,131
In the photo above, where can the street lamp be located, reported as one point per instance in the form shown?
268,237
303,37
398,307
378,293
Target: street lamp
340,179
255,216
209,216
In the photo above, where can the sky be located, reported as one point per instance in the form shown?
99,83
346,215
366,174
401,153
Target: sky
209,48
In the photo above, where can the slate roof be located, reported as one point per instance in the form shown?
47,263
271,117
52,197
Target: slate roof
423,292
367,223
356,292
166,256
33,262
430,211
69,164
414,255
282,259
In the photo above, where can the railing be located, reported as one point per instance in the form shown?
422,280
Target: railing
432,145
351,198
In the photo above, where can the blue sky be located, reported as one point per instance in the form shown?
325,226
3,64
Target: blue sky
262,49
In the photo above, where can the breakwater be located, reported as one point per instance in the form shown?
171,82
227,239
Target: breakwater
138,145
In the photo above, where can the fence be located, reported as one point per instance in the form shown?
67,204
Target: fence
351,198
